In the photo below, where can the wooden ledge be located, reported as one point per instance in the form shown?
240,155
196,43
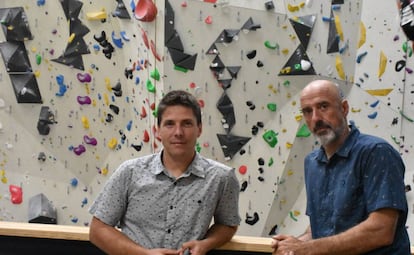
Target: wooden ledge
80,233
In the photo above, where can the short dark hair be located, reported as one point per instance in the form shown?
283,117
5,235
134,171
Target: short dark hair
179,97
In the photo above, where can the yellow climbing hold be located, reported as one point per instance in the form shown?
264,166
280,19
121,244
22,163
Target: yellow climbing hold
112,143
85,122
378,92
362,34
382,64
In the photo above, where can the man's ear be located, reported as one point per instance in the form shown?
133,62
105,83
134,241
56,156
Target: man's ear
345,107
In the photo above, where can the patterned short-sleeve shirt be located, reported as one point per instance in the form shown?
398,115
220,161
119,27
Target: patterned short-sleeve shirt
157,210
364,175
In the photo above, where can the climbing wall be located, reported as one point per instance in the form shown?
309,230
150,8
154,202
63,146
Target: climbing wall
80,81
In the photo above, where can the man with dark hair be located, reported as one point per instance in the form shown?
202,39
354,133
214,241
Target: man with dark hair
164,203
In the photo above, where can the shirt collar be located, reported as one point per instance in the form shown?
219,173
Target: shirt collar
197,166
346,147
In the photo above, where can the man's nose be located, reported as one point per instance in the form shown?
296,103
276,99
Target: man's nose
178,130
316,115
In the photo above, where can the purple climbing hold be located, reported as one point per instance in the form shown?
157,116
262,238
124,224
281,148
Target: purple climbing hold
90,140
79,150
84,100
84,77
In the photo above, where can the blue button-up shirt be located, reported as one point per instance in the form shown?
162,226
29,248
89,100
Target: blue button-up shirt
364,175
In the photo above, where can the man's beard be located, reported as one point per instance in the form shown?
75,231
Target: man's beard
331,134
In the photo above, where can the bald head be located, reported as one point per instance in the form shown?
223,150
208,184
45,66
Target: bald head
324,87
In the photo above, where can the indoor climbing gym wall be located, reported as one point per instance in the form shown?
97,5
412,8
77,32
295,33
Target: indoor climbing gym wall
80,81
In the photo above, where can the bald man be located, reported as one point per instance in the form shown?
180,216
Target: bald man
354,182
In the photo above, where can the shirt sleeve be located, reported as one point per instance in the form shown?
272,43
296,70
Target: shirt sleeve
384,179
227,212
110,204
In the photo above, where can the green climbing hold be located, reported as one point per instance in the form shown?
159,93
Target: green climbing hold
303,131
270,162
272,107
155,74
38,59
182,69
271,138
271,46
150,86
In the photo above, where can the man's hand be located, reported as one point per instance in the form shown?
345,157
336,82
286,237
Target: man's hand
193,247
162,251
285,245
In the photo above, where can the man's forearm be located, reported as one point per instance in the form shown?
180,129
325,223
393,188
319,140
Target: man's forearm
218,235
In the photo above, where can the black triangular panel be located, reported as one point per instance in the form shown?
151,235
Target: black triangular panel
188,63
78,28
333,37
17,19
233,70
73,61
177,55
169,30
225,106
212,50
225,83
175,42
76,48
231,144
15,57
26,88
294,65
303,27
249,25
121,11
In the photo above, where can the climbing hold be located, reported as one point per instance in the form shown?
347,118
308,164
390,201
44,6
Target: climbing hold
79,150
85,122
303,131
150,86
114,108
84,77
90,140
243,186
373,115
99,15
155,74
84,100
74,182
146,137
251,220
208,20
270,137
143,112
361,56
145,11
374,104
116,40
137,147
112,143
272,107
269,45
243,169
16,193
251,54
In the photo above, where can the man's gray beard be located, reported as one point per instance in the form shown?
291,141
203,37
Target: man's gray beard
327,138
